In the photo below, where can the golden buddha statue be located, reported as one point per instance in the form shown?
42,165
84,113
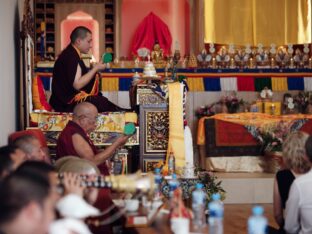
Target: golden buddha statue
157,55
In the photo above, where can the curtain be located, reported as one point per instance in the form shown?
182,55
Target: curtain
257,21
152,29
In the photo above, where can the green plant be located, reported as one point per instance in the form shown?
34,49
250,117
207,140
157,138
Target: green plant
211,184
209,180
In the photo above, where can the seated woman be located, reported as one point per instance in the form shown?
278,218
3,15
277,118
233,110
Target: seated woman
296,163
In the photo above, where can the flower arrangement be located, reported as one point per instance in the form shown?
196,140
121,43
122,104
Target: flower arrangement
208,179
272,135
288,104
203,111
266,93
232,102
302,100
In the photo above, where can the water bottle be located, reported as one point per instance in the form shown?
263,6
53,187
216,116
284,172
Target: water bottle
257,223
215,219
158,179
198,206
171,164
173,184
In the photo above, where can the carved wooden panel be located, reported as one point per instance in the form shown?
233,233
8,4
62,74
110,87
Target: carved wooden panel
157,130
145,96
154,133
151,164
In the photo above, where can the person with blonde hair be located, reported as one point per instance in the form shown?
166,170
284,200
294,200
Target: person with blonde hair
296,163
298,210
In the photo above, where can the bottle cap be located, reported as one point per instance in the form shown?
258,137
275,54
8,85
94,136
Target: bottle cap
257,210
199,186
157,170
129,129
215,196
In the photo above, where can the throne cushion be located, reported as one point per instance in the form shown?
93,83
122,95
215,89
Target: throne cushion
109,126
39,99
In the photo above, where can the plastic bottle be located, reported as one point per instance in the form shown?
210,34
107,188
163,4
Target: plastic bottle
171,164
173,184
158,179
257,223
215,219
198,206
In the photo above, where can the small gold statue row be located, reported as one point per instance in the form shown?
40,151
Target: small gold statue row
258,57
226,57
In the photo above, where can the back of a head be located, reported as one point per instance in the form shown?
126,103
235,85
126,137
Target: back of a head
25,143
37,168
6,162
294,152
80,166
17,191
79,32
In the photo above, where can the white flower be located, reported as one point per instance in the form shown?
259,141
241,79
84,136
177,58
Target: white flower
270,93
263,94
291,105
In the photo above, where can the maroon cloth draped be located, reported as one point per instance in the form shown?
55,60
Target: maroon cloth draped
65,144
65,147
64,72
150,30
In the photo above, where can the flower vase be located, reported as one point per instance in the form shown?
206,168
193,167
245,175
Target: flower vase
232,108
224,108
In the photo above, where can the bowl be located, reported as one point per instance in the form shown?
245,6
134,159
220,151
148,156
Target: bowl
132,205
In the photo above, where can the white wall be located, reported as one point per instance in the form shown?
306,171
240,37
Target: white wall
9,65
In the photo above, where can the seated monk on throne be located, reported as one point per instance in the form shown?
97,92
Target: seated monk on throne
157,55
72,81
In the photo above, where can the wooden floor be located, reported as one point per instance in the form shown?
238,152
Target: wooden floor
235,219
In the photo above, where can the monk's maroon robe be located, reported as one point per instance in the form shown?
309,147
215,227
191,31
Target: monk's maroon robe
65,147
63,92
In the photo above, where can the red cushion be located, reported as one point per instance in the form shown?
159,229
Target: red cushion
38,96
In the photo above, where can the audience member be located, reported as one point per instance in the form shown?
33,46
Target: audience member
74,139
34,132
32,147
25,204
299,204
10,158
296,164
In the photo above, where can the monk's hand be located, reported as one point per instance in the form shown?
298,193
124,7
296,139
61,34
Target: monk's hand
72,184
99,66
123,139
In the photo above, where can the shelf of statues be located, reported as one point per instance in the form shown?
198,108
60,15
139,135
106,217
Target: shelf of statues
257,57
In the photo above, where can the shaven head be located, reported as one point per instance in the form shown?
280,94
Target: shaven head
79,32
85,115
31,146
25,204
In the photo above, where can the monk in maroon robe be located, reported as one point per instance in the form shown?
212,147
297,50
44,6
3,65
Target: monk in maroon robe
74,140
72,81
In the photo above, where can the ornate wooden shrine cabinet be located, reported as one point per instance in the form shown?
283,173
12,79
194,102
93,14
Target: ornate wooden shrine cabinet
154,127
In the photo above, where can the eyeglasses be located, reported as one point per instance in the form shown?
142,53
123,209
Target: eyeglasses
91,119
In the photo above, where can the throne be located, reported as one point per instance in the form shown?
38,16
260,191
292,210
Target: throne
36,111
